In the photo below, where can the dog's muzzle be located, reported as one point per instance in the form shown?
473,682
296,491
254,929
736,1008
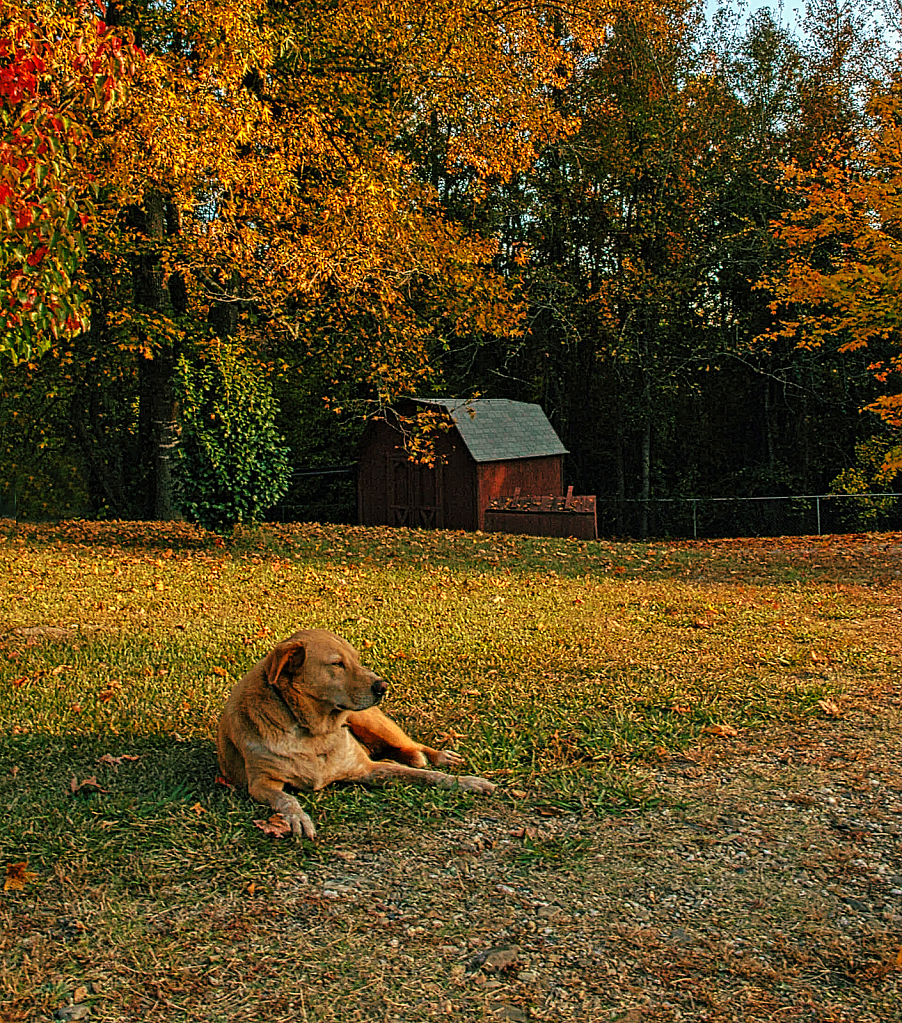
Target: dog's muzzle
379,689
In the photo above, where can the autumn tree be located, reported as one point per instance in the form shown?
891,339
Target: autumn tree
840,286
58,68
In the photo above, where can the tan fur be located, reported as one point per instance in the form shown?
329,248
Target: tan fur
290,720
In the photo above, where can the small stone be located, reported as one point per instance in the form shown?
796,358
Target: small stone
510,1012
501,957
70,1012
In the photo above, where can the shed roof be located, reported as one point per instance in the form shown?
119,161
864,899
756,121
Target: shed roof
498,430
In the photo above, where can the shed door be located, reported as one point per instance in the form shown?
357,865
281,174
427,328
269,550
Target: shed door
415,494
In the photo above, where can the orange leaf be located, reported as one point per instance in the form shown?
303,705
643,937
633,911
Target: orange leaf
724,731
17,876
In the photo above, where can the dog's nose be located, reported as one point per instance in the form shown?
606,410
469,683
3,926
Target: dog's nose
380,688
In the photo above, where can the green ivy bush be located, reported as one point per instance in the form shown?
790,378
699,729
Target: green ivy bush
232,465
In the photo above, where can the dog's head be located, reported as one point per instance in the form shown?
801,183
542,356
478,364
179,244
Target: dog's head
317,665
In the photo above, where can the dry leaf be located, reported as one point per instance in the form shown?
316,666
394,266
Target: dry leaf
724,731
107,758
830,708
277,826
198,809
17,876
224,781
89,783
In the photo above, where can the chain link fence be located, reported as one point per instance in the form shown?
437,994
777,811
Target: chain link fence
791,515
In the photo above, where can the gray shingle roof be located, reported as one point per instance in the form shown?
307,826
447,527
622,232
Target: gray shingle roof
495,429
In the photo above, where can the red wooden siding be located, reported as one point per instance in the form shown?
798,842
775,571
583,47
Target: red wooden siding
528,475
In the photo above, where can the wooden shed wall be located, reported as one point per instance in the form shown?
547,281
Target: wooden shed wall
394,492
528,475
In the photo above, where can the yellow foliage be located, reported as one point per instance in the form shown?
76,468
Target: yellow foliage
844,241
287,141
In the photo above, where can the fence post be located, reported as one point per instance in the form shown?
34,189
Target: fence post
818,502
694,519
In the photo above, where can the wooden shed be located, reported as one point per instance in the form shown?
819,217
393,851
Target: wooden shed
495,448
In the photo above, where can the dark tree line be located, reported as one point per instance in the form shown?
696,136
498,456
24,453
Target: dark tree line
630,293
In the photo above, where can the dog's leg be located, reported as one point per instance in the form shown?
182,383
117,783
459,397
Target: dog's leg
382,771
270,791
383,738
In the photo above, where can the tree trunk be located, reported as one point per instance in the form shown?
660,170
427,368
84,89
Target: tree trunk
156,293
159,379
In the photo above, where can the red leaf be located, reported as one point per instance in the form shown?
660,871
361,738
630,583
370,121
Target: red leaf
277,826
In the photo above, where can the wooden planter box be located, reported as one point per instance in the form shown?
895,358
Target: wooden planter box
544,516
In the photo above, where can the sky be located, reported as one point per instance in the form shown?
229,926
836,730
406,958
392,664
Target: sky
787,13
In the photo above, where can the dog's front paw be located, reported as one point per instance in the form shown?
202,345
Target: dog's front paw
301,825
444,757
478,785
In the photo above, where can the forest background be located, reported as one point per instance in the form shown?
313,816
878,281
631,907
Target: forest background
234,232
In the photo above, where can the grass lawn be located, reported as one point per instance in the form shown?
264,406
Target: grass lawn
562,670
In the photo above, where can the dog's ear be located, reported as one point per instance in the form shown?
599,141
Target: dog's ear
290,653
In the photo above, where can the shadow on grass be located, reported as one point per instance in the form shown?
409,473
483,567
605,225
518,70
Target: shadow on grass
126,809
149,811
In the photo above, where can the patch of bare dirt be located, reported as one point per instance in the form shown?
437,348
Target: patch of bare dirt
767,886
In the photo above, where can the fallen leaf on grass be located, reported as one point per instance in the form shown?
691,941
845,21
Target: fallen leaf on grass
724,731
89,783
108,758
17,876
277,826
198,809
224,781
830,708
